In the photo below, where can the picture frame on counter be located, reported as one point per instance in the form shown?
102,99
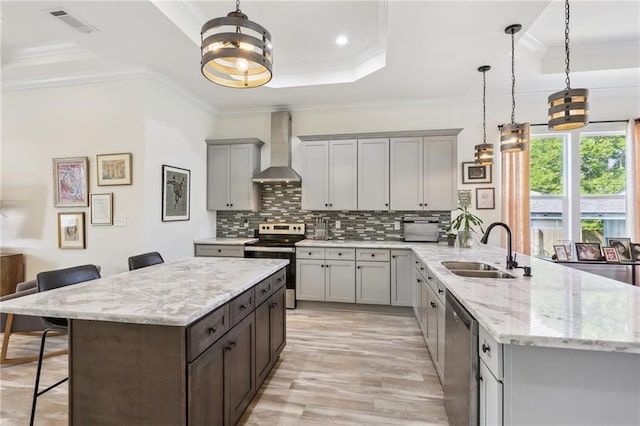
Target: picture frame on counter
561,253
114,169
588,251
175,193
635,252
71,230
475,173
622,245
71,182
485,198
102,209
610,254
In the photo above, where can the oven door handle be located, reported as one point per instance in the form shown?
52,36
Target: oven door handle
271,249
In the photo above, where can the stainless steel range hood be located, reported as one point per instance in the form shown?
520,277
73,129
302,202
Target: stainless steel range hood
280,170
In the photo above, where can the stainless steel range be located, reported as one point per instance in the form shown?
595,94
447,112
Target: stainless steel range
278,241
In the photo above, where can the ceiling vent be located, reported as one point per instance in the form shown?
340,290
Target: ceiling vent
74,23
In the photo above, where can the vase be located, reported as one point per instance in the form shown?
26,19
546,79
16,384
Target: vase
465,238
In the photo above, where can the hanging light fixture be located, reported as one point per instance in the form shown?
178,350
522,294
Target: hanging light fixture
484,151
568,108
513,136
236,52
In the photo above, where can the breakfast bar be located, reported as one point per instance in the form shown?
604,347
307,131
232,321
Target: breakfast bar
188,341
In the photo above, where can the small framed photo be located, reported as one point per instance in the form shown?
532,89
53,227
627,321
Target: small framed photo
485,198
610,254
464,197
175,193
102,209
114,169
588,251
561,253
474,173
635,252
622,245
568,246
71,230
71,182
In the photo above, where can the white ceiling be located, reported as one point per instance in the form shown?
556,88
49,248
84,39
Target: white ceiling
399,51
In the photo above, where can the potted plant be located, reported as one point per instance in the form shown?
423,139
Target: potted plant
451,237
465,223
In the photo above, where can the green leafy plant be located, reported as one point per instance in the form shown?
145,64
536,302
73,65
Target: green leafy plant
466,221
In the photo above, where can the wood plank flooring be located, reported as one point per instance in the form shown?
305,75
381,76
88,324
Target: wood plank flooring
339,367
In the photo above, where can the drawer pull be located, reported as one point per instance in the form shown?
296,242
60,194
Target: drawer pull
339,254
279,279
422,268
243,306
213,329
274,304
433,305
440,291
393,257
219,251
485,348
309,253
419,280
373,255
429,277
357,267
264,290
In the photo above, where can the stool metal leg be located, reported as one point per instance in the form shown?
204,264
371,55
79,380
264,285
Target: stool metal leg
36,392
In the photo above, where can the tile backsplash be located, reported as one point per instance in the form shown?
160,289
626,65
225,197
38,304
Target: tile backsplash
282,203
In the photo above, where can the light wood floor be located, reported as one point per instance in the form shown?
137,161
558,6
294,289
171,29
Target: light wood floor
347,368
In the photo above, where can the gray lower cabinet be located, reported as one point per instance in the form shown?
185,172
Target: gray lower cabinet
401,278
490,397
372,283
214,250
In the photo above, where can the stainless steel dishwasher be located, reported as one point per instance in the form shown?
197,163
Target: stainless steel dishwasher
461,399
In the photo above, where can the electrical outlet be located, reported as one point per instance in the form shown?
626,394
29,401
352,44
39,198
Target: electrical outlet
396,225
246,223
120,221
337,224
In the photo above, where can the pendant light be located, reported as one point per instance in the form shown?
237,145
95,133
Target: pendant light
236,52
568,108
484,151
513,136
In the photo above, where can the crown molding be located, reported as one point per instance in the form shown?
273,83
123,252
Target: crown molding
46,53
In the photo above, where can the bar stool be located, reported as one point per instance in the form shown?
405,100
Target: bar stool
48,281
144,260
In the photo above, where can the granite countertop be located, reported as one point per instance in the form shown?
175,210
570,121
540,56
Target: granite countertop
558,306
226,241
175,293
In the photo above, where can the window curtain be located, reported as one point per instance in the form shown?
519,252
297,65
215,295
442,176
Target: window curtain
633,179
516,211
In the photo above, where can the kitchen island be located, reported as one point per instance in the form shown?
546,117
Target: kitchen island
187,341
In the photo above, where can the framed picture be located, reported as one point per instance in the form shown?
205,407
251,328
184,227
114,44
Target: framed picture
588,251
114,169
610,254
464,197
71,230
623,245
102,209
568,246
474,173
175,193
485,198
561,253
635,252
71,182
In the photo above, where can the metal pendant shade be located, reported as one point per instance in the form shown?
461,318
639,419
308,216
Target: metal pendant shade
568,108
484,151
236,52
514,137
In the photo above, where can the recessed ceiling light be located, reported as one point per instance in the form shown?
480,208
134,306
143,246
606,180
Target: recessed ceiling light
342,40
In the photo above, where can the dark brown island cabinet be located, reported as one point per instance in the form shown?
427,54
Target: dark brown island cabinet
204,374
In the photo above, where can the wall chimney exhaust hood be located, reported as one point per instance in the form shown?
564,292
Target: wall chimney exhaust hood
280,170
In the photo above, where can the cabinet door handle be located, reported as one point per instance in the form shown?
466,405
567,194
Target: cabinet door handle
420,204
274,304
480,378
326,205
213,329
419,280
243,306
264,290
433,305
440,291
357,267
485,348
322,266
231,204
393,257
227,204
429,277
422,268
278,279
330,205
386,204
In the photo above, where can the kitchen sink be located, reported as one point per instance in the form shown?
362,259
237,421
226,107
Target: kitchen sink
467,266
481,274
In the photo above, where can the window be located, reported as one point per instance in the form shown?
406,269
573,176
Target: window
578,186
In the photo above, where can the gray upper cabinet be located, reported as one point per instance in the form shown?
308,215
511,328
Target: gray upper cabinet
423,173
231,163
373,174
329,180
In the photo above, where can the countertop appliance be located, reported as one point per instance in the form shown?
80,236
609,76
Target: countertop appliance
461,388
278,241
421,229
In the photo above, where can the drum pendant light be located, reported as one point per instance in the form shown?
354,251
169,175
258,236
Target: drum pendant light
235,51
568,108
484,151
513,136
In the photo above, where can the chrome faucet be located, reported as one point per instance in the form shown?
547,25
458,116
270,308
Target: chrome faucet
511,258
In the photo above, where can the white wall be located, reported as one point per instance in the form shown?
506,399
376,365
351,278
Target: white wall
155,124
